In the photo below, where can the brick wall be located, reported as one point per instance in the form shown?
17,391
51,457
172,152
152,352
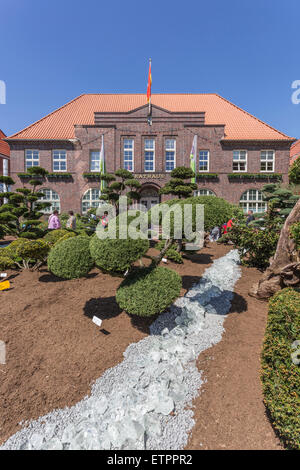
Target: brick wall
118,126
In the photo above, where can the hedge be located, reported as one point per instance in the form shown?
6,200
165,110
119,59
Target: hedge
116,255
280,375
217,211
147,291
255,176
71,258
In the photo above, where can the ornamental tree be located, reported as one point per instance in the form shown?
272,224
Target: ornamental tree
294,172
280,203
116,188
178,186
20,212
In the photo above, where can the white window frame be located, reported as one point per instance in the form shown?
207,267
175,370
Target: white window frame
56,201
208,155
273,161
169,149
197,193
97,170
32,159
92,202
148,149
253,204
124,150
240,161
59,160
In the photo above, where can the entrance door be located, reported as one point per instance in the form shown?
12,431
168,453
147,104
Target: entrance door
149,201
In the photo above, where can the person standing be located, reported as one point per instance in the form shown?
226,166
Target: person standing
53,221
104,219
250,217
71,222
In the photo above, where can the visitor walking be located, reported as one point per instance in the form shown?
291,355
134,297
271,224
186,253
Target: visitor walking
71,222
104,219
214,234
250,217
54,222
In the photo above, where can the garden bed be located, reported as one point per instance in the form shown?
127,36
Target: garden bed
54,351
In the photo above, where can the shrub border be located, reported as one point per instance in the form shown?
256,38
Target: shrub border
280,376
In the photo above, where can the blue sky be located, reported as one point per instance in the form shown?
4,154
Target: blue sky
247,51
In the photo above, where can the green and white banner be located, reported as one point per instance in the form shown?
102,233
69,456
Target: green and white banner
193,158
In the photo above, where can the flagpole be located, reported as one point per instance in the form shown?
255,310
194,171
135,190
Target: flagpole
150,62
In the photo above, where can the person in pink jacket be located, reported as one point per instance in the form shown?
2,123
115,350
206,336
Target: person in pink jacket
53,221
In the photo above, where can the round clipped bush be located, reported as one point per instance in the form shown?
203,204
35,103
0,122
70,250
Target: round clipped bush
147,291
117,255
71,258
54,235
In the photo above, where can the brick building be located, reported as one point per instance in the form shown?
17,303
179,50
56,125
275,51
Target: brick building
4,157
295,152
237,153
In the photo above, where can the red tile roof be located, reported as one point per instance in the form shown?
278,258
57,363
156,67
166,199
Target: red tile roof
295,151
239,125
4,147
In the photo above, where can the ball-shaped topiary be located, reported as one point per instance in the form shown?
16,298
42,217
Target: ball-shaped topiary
117,255
147,291
54,235
71,258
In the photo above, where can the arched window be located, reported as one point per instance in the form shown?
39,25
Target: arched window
253,200
52,197
90,199
204,192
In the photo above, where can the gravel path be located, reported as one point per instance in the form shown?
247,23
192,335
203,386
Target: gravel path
144,402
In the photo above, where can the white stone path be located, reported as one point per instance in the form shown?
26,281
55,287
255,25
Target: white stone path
130,404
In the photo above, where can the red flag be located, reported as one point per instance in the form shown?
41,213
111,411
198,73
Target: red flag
149,84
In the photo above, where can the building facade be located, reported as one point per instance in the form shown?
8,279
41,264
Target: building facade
236,153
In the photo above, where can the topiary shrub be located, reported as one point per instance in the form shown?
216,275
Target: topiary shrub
147,291
280,367
32,252
6,262
256,247
11,250
66,236
54,235
172,254
117,255
71,258
217,211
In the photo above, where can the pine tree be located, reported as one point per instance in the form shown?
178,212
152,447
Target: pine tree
178,186
21,210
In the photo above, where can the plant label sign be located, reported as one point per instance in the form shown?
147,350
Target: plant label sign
97,321
4,285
